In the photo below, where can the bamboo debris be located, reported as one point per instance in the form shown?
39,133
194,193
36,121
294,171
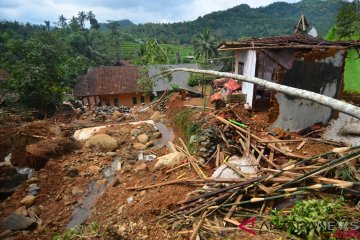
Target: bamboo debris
275,180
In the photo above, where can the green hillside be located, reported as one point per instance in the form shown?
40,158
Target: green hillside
243,21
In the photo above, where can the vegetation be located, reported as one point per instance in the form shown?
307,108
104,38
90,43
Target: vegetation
305,217
242,21
205,45
185,124
347,27
92,231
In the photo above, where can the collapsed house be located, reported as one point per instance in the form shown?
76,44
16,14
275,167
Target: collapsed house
297,60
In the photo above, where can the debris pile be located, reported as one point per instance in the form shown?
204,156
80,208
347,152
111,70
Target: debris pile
252,173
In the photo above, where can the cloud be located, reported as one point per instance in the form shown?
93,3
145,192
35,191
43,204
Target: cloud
138,11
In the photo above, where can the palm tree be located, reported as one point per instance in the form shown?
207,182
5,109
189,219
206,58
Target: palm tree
62,21
82,17
47,25
93,22
205,45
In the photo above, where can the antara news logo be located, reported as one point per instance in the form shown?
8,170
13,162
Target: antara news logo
340,230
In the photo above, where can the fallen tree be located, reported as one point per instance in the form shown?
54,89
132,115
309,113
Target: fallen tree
332,103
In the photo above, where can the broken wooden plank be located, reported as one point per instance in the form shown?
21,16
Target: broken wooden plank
232,209
301,145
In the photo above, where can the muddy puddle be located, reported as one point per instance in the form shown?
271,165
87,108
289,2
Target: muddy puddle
167,134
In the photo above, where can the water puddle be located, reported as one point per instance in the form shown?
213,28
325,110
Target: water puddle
167,134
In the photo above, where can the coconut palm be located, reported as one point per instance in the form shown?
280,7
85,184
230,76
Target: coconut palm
82,17
62,21
205,45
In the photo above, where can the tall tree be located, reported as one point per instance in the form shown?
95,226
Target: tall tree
74,24
33,69
93,22
47,25
82,17
347,24
205,45
62,21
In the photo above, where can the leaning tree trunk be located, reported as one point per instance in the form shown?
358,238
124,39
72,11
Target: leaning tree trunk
335,104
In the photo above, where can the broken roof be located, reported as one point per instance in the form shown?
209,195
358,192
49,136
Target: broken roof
287,41
179,78
107,80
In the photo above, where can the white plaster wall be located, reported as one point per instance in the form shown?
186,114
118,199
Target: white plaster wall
249,60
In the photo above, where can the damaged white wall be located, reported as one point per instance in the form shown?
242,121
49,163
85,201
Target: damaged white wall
249,60
324,75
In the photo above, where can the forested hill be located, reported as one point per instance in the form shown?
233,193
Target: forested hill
243,21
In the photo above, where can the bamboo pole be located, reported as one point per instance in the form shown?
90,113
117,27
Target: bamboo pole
332,103
326,165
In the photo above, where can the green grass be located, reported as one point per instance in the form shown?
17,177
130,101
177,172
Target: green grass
352,72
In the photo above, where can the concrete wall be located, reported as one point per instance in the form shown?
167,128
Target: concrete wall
249,60
318,71
125,99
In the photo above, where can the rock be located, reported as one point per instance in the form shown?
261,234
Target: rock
116,114
76,190
33,189
94,168
157,135
56,130
16,222
72,172
130,199
169,159
102,142
141,167
205,144
28,200
21,211
120,209
33,180
101,182
135,132
193,139
157,116
139,146
203,149
122,230
202,139
143,138
201,160
111,154
149,144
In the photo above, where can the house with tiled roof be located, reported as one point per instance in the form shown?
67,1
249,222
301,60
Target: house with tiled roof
110,86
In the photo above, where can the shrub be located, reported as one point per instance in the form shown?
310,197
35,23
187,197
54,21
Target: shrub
305,216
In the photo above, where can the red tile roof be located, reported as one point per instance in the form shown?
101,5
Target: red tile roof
107,80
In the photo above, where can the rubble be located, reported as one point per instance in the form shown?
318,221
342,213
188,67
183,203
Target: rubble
233,166
28,200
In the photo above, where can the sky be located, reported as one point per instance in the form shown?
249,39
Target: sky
138,11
